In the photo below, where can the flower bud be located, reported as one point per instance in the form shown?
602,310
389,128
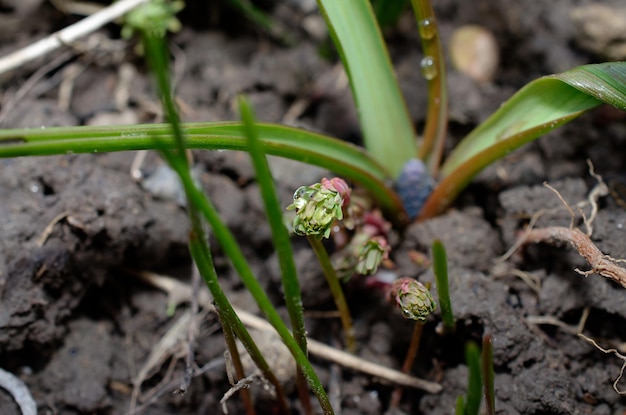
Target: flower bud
318,206
413,298
371,255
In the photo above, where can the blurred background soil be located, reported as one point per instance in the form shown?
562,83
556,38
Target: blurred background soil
81,330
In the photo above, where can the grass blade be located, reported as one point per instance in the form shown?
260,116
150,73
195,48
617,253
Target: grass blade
346,160
280,237
155,48
474,382
387,129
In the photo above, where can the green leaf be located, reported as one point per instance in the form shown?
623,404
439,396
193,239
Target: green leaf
387,129
346,160
536,109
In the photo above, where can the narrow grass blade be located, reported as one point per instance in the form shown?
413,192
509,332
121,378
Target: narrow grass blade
536,109
280,236
440,268
474,382
345,159
229,319
460,406
387,129
154,46
232,250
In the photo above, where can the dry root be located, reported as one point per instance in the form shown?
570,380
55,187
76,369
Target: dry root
600,263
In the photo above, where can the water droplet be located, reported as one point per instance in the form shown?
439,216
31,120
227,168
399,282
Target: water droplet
34,188
427,28
428,67
620,226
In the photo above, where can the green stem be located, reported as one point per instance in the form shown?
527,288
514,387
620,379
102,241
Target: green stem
440,268
437,115
228,243
335,289
281,240
155,49
198,242
202,257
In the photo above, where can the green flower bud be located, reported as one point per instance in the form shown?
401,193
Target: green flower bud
319,206
371,255
155,17
413,298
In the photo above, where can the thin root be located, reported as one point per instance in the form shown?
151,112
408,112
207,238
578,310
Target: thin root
553,321
607,351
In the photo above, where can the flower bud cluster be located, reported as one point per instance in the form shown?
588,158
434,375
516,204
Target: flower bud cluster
318,206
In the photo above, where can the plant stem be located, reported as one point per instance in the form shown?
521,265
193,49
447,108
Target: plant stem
335,289
202,257
198,243
238,260
231,345
156,54
437,115
282,243
411,354
440,268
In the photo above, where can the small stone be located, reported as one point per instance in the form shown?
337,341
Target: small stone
474,51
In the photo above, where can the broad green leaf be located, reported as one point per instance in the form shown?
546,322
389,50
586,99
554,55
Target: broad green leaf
536,109
345,159
387,130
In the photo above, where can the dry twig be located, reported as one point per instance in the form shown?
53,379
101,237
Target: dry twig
179,291
68,34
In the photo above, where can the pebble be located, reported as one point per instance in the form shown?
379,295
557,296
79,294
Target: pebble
475,52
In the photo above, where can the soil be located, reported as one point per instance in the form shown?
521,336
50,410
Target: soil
78,327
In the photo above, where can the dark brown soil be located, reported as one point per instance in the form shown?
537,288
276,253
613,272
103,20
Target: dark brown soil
78,327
